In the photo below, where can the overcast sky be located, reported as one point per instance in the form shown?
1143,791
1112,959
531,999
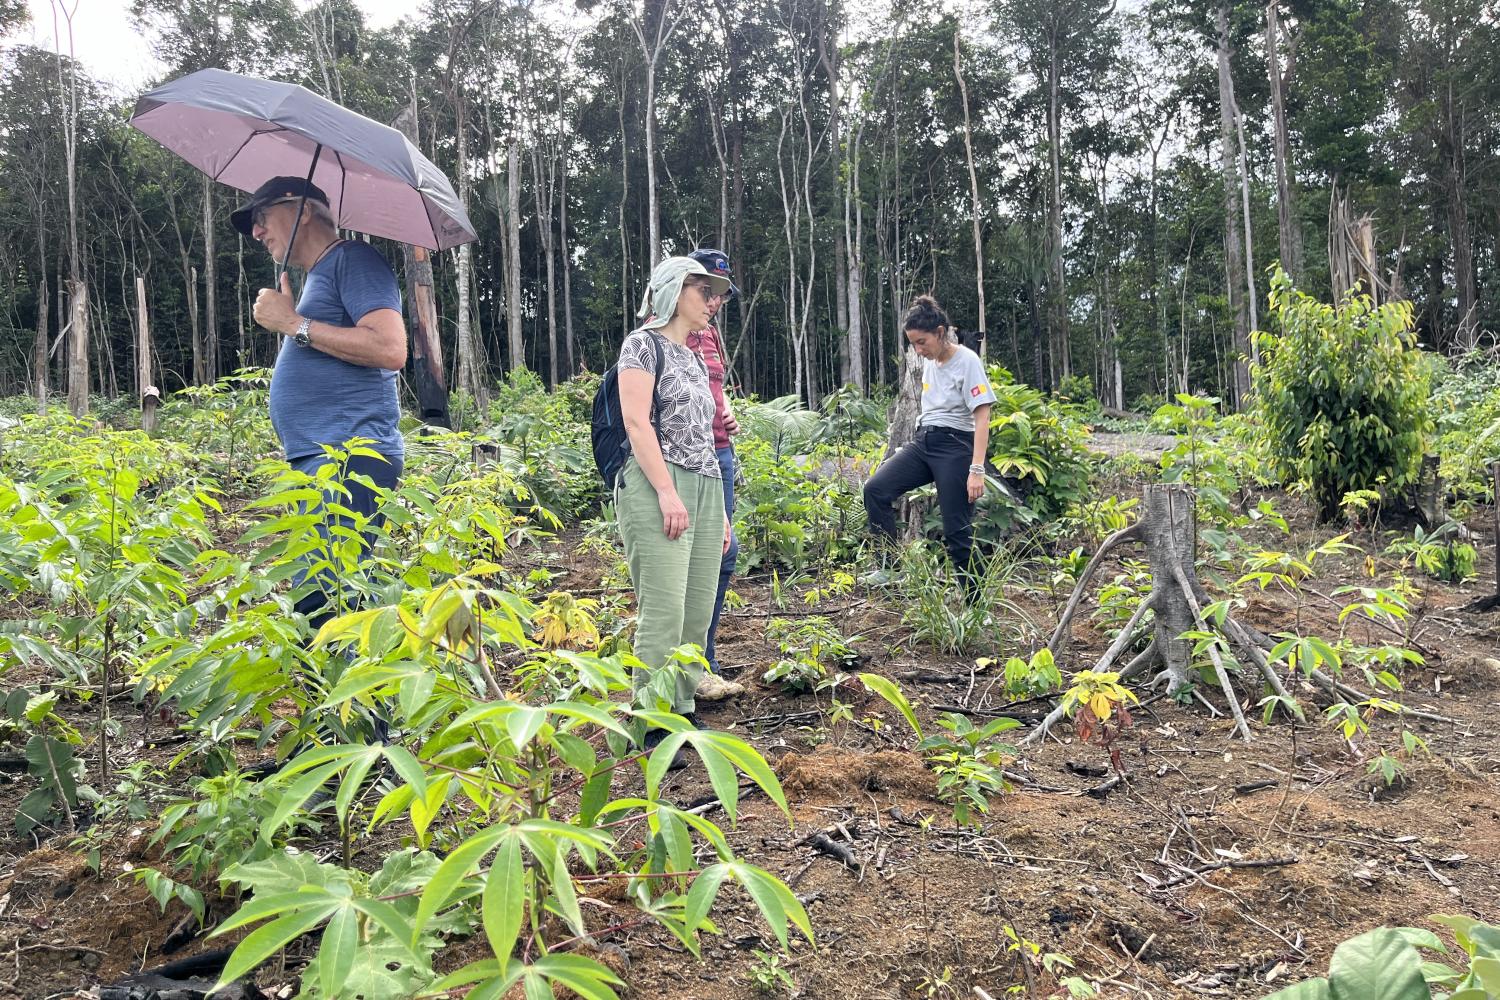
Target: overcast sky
106,41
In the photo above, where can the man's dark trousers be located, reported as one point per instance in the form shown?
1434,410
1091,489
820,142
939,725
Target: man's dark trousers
940,455
361,500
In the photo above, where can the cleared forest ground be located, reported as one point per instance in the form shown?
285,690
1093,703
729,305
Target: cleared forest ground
1215,868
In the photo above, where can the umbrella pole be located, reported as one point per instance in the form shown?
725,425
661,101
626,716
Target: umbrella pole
297,222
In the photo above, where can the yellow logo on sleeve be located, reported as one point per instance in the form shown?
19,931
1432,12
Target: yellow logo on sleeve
979,390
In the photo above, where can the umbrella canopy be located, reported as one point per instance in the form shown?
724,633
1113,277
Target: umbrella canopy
242,131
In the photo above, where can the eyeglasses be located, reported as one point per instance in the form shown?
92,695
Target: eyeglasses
706,289
258,217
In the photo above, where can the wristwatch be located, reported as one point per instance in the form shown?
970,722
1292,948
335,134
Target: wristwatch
301,336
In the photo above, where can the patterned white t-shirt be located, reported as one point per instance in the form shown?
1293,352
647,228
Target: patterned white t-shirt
685,403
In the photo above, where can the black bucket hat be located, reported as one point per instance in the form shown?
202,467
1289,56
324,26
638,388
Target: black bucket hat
717,263
277,189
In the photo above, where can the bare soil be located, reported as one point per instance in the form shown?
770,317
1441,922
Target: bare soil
1217,868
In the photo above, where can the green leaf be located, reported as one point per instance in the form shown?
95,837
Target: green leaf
700,898
1487,970
352,779
747,759
409,768
891,692
336,951
263,942
290,871
594,795
1305,990
1377,965
450,875
564,895
584,976
504,900
295,797
775,900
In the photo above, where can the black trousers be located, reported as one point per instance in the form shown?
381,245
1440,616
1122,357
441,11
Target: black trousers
938,455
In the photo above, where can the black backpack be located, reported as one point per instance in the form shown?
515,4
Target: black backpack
607,427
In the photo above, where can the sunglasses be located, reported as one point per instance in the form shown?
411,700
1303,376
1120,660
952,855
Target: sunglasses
706,289
258,217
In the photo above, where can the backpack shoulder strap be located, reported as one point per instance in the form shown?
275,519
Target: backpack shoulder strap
656,378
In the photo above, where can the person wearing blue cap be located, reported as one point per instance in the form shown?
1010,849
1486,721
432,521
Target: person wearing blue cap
669,501
709,345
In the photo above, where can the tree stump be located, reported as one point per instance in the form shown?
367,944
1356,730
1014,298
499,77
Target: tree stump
1168,529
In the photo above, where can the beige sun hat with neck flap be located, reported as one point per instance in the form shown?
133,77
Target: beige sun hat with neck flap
660,301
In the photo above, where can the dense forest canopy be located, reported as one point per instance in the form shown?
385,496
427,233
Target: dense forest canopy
1101,187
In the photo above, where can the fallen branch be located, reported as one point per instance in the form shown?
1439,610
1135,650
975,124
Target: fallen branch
1193,874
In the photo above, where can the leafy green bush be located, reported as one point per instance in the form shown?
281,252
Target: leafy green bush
1466,398
1342,393
810,648
1039,441
789,517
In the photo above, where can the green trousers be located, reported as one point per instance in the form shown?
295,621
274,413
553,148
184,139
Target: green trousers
675,581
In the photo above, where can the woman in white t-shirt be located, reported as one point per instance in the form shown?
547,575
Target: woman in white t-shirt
953,433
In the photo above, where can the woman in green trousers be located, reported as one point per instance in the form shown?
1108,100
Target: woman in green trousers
670,500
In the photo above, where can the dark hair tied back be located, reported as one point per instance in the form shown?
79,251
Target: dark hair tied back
924,313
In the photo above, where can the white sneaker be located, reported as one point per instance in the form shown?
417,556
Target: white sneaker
712,687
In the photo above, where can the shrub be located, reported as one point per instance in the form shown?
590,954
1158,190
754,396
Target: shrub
1467,401
1342,393
1039,441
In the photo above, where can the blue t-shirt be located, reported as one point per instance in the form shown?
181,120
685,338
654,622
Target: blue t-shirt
317,399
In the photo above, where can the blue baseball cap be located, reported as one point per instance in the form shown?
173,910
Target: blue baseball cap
717,263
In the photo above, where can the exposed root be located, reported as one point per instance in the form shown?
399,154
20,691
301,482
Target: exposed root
1130,534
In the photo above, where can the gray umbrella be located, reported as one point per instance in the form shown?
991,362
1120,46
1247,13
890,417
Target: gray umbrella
242,131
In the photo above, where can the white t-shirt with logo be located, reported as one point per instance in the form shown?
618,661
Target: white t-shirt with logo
951,390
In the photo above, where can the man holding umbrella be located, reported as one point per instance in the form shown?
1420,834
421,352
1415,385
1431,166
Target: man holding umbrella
342,342
312,168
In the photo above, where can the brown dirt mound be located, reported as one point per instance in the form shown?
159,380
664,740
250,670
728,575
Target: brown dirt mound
829,773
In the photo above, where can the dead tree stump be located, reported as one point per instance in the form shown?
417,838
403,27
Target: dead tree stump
1168,528
1177,600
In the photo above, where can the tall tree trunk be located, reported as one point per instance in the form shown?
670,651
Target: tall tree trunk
78,356
1234,249
562,237
791,220
1289,232
195,312
210,288
542,195
515,335
666,24
810,281
1452,152
1061,358
855,261
963,90
428,377
470,359
241,359
40,347
146,391
848,348
627,306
